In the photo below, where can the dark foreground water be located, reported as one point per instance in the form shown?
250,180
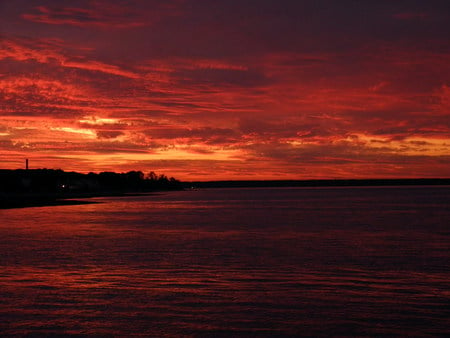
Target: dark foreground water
231,262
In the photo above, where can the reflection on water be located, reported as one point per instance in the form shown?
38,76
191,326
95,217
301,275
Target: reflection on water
240,262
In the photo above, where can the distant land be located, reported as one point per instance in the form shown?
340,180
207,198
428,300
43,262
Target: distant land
317,183
42,187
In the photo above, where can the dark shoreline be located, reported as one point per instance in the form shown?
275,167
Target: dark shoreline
319,183
25,200
41,187
28,203
28,200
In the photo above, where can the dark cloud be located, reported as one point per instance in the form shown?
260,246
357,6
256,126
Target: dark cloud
203,133
109,134
103,14
222,77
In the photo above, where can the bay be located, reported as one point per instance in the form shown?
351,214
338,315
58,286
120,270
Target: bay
359,261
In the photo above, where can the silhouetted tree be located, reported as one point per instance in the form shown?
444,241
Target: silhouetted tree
58,181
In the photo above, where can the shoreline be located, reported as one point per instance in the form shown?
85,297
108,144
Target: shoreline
30,203
29,200
318,183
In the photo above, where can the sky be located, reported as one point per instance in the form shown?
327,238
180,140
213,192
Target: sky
227,89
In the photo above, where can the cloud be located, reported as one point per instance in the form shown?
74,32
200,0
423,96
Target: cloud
411,16
207,135
23,96
42,52
105,17
105,14
109,134
222,77
100,67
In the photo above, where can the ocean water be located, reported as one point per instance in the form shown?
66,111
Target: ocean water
231,262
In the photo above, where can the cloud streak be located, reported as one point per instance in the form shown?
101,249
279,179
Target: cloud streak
101,14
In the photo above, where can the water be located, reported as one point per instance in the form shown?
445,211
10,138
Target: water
231,262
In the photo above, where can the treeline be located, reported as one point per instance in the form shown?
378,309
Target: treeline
59,181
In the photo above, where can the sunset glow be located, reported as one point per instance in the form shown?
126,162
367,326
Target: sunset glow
205,90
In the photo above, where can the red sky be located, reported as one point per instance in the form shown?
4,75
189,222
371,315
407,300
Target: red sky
209,89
